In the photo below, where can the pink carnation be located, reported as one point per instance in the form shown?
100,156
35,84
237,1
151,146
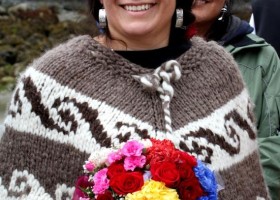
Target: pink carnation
131,162
114,156
101,182
89,166
132,148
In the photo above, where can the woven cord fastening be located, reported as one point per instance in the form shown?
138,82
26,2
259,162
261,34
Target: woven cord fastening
160,81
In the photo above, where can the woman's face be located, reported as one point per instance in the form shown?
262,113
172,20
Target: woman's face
207,11
139,19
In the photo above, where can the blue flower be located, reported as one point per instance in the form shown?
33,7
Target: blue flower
203,198
207,181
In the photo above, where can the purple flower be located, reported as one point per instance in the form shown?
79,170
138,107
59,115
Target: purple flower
147,175
82,182
132,148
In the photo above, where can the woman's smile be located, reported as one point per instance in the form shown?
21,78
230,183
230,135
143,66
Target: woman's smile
138,8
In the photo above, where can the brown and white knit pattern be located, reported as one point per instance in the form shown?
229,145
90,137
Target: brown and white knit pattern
81,97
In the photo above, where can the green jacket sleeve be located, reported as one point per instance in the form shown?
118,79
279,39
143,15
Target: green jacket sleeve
270,158
268,126
268,123
260,68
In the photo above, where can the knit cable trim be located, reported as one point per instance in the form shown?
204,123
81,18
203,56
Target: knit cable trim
160,80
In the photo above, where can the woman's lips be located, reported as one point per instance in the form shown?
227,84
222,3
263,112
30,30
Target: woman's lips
138,8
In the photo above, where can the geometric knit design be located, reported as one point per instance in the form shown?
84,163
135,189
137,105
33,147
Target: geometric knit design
25,187
80,98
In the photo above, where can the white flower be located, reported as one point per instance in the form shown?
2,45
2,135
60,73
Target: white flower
99,158
147,143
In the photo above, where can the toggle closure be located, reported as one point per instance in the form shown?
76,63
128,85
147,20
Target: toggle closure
160,81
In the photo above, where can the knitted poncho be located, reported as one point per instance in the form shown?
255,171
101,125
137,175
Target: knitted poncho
81,97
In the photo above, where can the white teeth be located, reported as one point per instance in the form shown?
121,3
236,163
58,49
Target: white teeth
138,8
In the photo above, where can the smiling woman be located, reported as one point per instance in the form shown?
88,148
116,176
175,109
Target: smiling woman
143,85
129,24
133,25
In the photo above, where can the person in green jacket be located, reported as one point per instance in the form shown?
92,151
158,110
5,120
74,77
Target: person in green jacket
260,67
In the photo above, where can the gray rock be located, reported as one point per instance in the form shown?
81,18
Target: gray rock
4,101
3,11
2,129
19,7
70,16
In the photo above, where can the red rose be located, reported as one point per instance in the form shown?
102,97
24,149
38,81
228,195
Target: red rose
82,182
166,172
115,169
187,159
186,171
106,196
190,189
127,182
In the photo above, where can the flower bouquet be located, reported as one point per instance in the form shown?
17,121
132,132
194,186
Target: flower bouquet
147,170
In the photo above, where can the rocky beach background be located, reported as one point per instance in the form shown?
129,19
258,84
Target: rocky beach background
29,28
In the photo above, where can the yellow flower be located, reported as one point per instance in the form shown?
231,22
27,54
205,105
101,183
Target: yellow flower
153,190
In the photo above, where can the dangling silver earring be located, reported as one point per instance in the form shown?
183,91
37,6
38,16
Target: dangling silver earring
223,11
179,18
102,18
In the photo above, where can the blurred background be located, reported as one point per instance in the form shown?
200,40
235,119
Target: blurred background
30,27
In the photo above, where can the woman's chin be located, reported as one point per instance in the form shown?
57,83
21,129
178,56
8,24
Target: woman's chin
141,31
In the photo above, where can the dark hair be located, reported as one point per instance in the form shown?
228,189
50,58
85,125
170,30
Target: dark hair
177,35
219,27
